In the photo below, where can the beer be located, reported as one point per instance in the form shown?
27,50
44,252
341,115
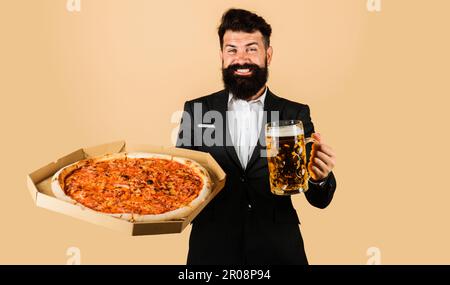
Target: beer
286,157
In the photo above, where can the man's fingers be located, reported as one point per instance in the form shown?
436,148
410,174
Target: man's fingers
321,165
323,158
329,161
324,148
317,173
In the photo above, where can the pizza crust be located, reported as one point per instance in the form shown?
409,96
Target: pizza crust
58,179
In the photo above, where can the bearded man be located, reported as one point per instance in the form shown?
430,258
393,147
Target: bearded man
245,223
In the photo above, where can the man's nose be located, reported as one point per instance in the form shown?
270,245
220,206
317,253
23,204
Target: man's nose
242,58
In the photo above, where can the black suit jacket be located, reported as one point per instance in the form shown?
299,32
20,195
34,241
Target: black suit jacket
245,223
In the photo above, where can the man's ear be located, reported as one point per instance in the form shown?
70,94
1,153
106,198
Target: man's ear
221,55
269,53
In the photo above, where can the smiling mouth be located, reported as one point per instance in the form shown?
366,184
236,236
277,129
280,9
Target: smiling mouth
243,72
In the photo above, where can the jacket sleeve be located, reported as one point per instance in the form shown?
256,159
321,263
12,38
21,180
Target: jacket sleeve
185,138
318,196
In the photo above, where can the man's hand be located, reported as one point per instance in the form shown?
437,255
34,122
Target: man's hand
322,159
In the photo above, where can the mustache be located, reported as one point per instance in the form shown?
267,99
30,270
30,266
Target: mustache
250,66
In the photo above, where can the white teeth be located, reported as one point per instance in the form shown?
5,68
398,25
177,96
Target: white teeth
243,70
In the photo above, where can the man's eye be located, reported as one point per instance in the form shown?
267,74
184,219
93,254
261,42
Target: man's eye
252,49
231,51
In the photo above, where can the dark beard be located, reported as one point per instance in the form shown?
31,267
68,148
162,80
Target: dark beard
244,87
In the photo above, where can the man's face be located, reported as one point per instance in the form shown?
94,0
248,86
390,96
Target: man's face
244,63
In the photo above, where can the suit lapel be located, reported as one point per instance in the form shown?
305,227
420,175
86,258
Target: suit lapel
271,103
221,105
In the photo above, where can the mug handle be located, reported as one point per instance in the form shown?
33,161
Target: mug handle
310,140
307,141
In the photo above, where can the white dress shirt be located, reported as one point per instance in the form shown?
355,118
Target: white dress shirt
245,122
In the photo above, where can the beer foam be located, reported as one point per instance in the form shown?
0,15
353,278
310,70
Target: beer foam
286,131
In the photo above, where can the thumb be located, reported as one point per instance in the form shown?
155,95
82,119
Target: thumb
317,136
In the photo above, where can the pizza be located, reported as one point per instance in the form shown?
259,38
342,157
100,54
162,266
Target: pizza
137,186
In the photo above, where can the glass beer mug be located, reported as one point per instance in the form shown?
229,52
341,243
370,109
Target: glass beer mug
286,157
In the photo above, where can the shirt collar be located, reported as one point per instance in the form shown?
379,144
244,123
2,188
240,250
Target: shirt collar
261,98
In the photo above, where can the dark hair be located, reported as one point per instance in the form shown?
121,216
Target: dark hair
239,20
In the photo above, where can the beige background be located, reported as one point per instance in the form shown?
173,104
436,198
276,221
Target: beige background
377,84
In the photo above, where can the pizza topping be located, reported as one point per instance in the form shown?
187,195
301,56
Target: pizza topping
145,186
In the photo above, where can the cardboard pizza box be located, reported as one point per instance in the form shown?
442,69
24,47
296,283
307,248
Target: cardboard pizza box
39,185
